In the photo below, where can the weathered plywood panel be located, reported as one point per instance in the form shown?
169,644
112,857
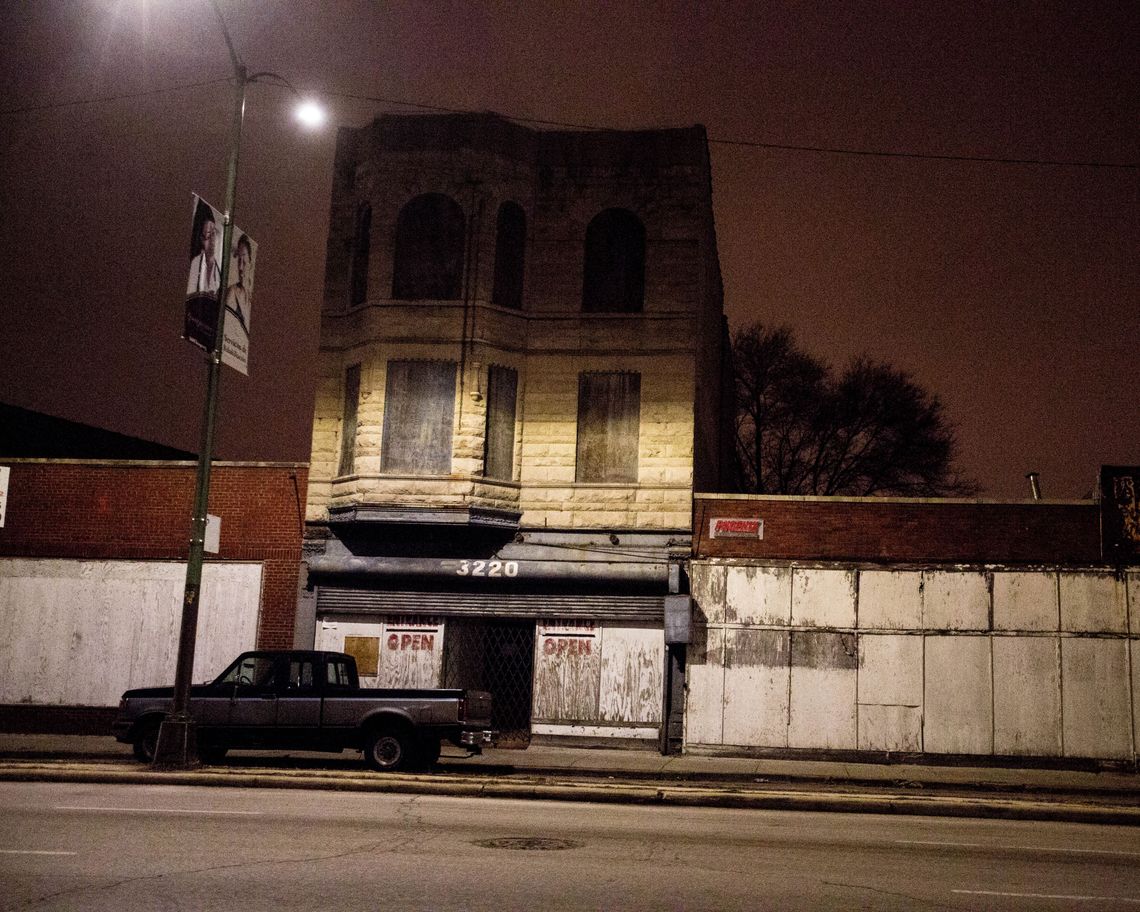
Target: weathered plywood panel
1135,646
890,669
704,687
823,687
633,668
955,600
958,696
756,688
1095,688
890,599
1092,602
758,595
1133,586
410,650
1026,601
823,598
707,584
1027,696
568,668
82,632
890,728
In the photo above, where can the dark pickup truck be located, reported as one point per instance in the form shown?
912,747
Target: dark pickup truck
305,700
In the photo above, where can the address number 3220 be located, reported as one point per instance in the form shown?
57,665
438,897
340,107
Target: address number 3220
487,568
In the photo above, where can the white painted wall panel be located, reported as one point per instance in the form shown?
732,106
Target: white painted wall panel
955,600
890,599
823,685
1092,602
1095,689
1133,595
82,632
958,695
704,687
1027,696
758,595
633,668
890,692
1135,647
823,598
1026,601
756,688
708,589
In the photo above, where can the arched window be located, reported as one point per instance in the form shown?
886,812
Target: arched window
361,242
429,249
510,255
614,275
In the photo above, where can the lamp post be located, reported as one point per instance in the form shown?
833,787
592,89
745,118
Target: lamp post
177,746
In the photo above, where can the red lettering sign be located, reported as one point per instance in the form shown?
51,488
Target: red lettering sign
414,642
582,646
736,528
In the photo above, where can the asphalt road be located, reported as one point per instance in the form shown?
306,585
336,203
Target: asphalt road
128,847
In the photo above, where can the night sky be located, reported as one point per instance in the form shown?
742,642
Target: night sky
1012,290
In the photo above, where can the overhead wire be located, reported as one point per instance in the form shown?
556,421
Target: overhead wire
538,121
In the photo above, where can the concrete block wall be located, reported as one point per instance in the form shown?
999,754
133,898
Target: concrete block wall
981,660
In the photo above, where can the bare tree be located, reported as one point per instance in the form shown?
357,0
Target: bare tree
801,430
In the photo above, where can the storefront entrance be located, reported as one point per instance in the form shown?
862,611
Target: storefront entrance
495,655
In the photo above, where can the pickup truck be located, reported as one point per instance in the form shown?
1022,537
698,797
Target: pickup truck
308,700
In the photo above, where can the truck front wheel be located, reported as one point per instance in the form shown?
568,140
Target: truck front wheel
146,741
387,749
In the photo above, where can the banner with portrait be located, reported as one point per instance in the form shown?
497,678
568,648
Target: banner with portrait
203,282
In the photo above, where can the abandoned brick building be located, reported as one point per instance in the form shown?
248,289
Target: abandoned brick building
520,381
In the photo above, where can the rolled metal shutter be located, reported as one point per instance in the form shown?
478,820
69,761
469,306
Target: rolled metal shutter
339,600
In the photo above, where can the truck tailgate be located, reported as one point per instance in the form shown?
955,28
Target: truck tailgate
478,708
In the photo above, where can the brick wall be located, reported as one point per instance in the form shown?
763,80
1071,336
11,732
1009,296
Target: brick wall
111,510
900,530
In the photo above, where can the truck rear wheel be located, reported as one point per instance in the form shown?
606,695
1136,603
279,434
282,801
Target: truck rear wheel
388,749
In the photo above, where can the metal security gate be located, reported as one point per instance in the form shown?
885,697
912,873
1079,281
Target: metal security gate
496,655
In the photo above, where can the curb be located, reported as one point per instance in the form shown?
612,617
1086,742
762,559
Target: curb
653,794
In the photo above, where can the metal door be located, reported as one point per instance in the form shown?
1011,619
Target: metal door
495,655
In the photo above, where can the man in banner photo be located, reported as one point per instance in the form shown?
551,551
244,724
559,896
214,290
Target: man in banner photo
239,300
205,275
203,285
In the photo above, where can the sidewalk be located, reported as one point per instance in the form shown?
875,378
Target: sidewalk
628,776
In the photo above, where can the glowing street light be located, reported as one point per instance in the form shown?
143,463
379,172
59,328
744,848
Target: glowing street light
177,746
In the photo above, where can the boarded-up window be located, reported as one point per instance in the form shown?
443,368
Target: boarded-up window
361,246
502,391
348,420
429,249
609,412
419,405
366,651
510,256
614,273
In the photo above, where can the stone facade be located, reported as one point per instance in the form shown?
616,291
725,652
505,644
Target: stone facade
561,181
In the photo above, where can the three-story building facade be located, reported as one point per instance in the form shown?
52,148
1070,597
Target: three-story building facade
521,375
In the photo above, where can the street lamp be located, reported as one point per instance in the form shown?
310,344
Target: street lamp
177,746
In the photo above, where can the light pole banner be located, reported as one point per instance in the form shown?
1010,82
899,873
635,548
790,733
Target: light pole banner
4,472
204,280
239,300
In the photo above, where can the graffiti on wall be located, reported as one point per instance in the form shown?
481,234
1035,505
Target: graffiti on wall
1120,513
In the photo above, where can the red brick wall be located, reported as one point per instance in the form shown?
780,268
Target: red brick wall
888,530
141,511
